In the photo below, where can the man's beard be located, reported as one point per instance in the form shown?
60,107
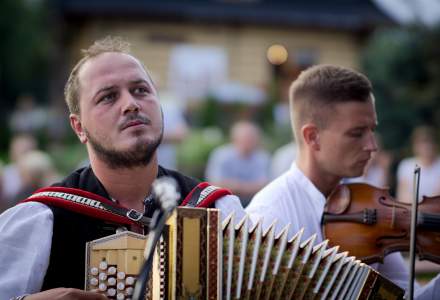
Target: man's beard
140,156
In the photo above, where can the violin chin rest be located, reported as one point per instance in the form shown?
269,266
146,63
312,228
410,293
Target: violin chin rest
340,196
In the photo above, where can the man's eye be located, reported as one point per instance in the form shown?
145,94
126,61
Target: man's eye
141,90
355,134
108,97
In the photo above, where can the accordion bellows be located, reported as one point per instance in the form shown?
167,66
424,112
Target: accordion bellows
200,257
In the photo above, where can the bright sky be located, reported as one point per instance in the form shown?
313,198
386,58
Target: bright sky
407,11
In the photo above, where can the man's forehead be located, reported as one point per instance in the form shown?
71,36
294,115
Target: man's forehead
108,63
356,111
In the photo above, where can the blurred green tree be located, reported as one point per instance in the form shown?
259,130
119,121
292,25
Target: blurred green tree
26,45
404,67
25,39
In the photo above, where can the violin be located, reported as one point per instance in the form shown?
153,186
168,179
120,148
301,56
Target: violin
369,223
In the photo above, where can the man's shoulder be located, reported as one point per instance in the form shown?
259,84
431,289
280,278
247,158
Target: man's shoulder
26,210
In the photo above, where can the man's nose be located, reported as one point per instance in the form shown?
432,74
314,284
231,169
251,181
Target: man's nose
371,143
130,103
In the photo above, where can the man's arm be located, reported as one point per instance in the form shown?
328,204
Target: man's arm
25,236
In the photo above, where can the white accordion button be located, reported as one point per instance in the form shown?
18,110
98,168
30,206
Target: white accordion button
102,276
120,275
129,280
94,271
111,292
111,281
93,281
120,296
129,291
120,286
111,271
103,265
102,287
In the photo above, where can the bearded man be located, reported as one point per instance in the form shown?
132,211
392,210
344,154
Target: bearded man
116,113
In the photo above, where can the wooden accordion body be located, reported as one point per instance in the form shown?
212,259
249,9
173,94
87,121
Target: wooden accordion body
200,257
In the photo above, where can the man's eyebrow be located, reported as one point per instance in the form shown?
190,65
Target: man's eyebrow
136,81
104,89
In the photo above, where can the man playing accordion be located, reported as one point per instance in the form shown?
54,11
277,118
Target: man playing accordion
115,111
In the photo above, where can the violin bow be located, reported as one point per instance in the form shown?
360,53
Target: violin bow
412,245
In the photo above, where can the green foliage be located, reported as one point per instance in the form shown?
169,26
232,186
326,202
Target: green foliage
404,67
25,49
193,153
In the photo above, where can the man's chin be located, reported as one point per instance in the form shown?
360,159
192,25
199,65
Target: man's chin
356,173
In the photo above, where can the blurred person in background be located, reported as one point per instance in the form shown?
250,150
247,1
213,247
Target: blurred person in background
424,147
241,166
36,171
12,182
27,117
115,112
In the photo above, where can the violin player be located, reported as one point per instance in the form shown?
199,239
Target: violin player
333,118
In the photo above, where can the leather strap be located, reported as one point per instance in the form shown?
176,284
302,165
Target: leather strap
204,195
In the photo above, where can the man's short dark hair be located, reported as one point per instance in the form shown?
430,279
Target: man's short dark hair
319,88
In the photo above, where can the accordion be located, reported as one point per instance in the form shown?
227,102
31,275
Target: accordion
200,257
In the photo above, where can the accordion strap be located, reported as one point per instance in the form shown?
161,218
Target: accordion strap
93,205
89,204
204,195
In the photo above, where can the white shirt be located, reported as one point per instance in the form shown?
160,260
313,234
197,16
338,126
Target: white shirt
25,243
292,198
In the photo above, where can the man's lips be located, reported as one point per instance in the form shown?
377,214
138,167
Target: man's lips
134,123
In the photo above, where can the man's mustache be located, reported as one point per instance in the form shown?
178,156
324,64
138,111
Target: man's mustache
131,119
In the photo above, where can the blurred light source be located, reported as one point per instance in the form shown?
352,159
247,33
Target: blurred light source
277,54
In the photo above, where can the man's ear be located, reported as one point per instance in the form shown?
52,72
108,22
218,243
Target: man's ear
310,134
76,124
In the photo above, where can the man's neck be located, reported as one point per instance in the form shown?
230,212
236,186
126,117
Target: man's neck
325,183
128,186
